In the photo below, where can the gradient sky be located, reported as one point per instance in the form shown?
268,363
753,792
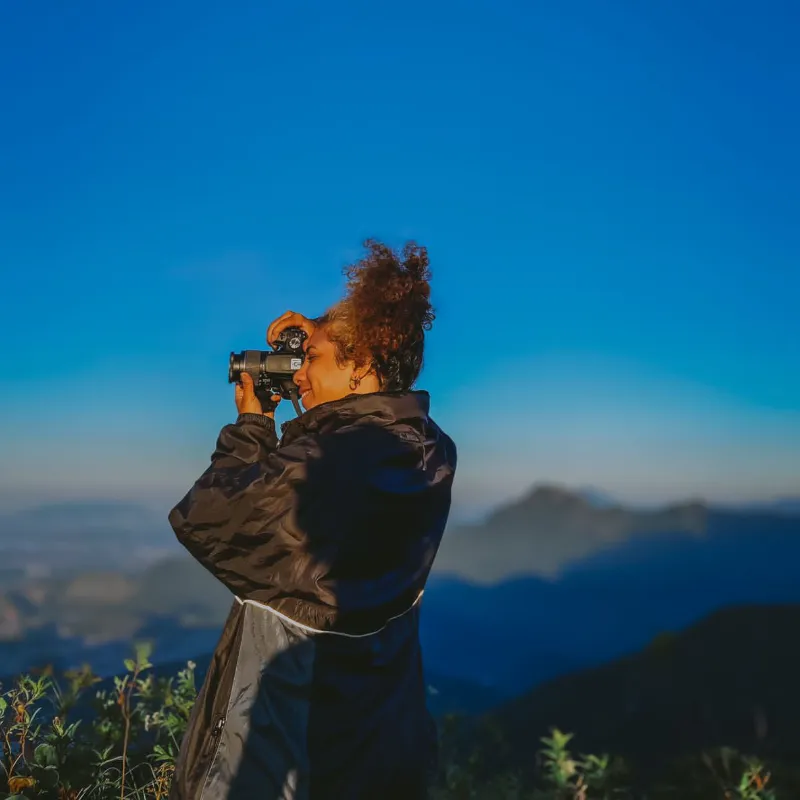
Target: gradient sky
610,194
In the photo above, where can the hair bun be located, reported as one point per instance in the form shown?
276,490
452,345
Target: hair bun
416,264
386,310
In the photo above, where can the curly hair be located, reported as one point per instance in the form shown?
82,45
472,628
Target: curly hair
382,319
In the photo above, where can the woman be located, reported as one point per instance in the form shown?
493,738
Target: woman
325,538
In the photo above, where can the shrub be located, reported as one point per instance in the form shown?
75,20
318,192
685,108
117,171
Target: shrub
123,743
100,740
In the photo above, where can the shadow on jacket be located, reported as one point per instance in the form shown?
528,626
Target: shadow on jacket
326,540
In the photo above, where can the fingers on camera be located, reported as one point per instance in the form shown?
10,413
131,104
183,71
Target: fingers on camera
276,327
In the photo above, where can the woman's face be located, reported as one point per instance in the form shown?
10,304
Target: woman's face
321,379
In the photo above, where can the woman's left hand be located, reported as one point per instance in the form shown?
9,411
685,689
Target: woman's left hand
246,400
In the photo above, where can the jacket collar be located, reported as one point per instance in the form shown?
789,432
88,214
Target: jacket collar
385,407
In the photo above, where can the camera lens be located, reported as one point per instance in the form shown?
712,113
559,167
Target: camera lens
235,366
251,361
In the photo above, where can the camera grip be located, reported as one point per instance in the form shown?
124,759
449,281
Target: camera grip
264,396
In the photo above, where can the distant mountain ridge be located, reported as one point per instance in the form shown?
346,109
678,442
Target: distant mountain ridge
550,527
779,505
610,601
539,533
622,577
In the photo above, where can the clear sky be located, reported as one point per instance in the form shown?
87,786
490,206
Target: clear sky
610,194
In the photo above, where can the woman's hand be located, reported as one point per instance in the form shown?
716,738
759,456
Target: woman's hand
246,400
289,319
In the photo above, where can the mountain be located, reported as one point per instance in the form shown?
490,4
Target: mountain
551,527
504,637
778,505
521,631
597,498
728,680
538,534
68,619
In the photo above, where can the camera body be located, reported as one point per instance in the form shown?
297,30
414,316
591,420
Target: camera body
272,371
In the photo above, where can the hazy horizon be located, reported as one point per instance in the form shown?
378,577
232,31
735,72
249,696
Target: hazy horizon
462,511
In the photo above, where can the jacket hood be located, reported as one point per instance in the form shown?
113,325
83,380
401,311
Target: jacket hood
383,407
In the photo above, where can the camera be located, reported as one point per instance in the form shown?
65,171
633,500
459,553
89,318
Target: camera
272,371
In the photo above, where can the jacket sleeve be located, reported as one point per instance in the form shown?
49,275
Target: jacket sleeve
234,519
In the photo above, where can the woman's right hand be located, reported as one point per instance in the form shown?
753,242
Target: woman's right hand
289,319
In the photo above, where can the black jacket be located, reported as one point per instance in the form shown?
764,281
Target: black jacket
325,539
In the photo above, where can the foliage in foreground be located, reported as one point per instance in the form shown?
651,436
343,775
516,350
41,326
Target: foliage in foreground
83,742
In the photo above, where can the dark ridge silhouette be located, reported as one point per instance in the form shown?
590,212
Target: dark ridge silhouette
729,680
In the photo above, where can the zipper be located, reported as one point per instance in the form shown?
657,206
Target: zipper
216,731
213,749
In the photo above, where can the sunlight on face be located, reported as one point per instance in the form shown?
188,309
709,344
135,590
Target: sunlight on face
321,379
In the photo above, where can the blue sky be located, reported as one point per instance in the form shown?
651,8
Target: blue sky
609,194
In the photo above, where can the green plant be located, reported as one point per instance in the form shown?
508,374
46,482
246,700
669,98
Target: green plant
740,777
568,778
123,745
65,743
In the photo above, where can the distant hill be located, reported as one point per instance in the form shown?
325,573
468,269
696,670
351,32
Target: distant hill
527,629
597,497
505,637
729,680
551,527
778,505
93,616
537,534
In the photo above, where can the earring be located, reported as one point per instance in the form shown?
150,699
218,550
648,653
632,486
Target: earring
354,383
